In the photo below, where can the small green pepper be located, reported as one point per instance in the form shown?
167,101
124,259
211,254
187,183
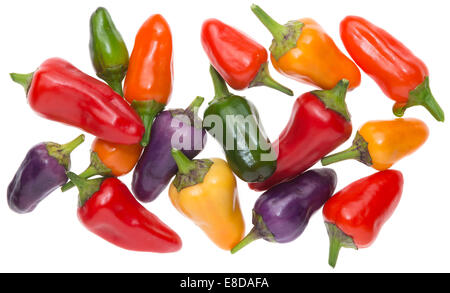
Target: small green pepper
109,53
247,148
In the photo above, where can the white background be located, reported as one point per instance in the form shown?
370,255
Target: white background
50,239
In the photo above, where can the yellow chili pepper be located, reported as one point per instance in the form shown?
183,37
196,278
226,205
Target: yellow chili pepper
380,144
205,191
303,51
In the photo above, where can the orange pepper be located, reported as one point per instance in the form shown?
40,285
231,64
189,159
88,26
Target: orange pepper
109,159
303,51
148,83
380,144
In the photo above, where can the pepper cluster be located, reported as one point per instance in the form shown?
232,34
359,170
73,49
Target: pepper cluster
134,132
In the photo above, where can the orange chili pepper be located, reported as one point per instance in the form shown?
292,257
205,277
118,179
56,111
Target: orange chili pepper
303,51
148,83
109,159
380,144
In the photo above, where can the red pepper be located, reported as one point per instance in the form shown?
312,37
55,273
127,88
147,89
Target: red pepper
355,215
319,123
108,209
400,74
59,91
240,60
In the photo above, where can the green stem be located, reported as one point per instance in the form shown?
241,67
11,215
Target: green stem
334,98
185,166
88,173
358,151
62,152
263,78
335,247
23,79
277,30
147,110
338,239
67,148
220,87
251,236
86,187
116,85
195,105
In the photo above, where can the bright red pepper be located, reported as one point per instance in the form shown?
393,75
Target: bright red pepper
355,215
108,209
59,91
240,60
400,74
319,123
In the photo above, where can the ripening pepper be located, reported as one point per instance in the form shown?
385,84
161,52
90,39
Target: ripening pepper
206,192
240,60
380,144
58,91
234,122
42,171
109,54
109,159
282,213
303,51
148,83
402,76
108,209
319,123
355,215
180,128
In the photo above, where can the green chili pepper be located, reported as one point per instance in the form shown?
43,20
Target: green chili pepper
234,122
109,53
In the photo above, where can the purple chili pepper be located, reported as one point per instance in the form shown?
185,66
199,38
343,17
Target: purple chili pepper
282,213
156,166
42,171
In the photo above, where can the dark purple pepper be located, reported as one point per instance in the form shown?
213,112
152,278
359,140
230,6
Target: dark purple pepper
282,213
42,171
156,166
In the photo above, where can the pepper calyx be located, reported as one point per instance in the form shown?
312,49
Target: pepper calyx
334,98
61,152
338,239
358,151
190,172
147,110
263,78
86,187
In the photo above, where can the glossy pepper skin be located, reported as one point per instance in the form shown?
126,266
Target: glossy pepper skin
59,91
355,215
240,60
205,191
156,167
402,76
109,159
42,171
303,51
381,143
108,209
148,83
319,123
109,54
282,213
234,122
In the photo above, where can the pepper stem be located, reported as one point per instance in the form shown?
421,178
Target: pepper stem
284,36
334,98
358,151
421,96
116,85
220,87
263,78
86,187
251,236
62,152
185,166
67,148
195,105
338,239
147,110
23,79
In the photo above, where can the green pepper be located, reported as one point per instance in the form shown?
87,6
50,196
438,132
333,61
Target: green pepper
234,122
109,53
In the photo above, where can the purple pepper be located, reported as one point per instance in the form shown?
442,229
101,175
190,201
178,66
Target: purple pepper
42,171
156,166
282,213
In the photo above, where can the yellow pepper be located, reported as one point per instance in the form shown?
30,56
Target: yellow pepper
382,143
205,191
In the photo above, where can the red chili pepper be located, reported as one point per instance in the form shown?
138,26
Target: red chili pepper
355,215
108,209
319,123
59,91
240,60
400,74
